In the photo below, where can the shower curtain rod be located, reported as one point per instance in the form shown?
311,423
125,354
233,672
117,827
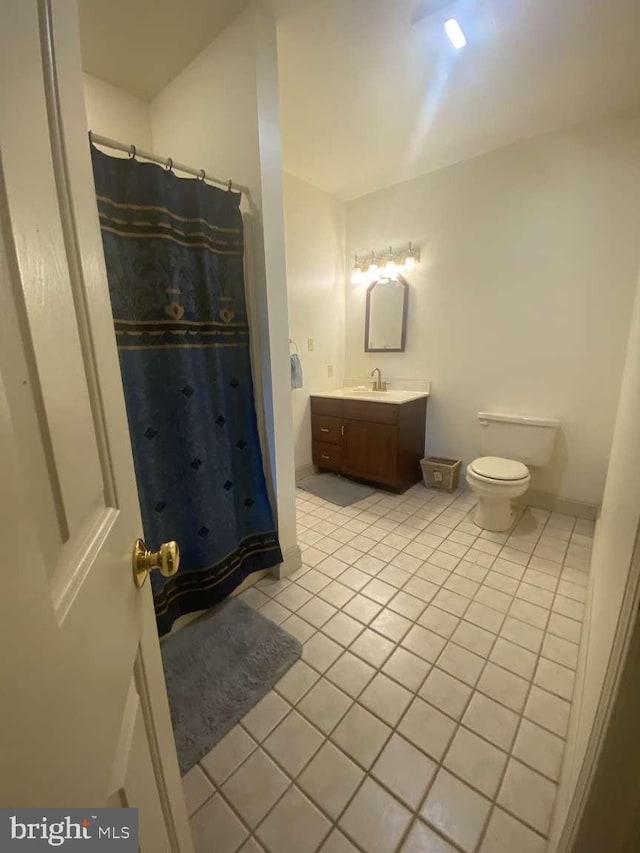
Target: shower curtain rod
167,162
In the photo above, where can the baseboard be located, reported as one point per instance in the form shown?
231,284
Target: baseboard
304,471
291,563
188,618
183,621
551,502
249,581
555,503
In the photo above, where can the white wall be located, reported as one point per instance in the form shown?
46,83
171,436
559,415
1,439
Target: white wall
112,112
207,116
610,564
221,113
314,231
523,297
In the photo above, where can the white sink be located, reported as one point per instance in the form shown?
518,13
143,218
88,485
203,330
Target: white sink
364,393
378,396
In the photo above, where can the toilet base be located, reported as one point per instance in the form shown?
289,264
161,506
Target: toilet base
494,513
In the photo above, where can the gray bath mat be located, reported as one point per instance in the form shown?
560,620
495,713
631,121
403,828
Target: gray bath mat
217,669
335,489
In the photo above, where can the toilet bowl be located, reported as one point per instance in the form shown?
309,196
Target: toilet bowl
509,443
496,482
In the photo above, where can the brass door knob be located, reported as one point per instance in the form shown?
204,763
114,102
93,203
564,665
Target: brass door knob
166,558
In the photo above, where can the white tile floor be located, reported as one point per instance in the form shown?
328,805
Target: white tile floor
429,710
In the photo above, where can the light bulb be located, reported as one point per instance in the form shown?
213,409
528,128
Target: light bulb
454,31
410,258
390,265
357,276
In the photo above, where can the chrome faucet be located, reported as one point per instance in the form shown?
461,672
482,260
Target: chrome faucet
378,384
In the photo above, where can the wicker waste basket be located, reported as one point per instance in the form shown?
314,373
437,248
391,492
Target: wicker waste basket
440,473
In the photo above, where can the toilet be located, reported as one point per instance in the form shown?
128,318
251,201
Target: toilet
509,443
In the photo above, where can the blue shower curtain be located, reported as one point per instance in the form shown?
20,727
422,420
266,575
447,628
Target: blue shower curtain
174,255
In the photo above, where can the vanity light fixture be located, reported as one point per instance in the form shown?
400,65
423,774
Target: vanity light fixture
454,31
391,263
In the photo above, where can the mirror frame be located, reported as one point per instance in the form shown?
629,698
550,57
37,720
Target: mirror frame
405,304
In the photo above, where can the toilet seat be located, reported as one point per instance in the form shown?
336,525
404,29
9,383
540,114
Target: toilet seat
497,469
496,482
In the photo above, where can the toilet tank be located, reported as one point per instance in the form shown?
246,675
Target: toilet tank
526,438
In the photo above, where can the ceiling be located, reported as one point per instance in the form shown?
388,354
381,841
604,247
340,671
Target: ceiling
140,45
369,98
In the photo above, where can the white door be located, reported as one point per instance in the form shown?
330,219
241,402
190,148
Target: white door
84,718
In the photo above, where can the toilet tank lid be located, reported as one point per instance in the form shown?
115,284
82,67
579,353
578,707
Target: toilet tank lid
532,420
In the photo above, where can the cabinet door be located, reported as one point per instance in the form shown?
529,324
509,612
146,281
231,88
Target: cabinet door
370,450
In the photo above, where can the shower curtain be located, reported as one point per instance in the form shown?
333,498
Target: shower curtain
174,254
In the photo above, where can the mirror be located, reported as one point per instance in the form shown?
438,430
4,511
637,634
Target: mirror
385,327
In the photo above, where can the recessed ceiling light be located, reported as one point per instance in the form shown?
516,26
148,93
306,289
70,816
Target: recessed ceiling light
454,31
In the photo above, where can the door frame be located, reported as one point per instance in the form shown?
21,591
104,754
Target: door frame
609,772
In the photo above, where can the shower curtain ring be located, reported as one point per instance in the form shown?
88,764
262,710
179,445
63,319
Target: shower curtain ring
169,164
132,152
202,175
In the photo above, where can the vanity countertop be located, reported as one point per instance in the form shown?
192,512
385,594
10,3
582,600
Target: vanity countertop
393,396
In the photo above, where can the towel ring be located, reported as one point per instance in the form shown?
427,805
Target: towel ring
202,175
293,343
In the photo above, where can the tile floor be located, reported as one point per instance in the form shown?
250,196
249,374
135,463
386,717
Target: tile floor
429,709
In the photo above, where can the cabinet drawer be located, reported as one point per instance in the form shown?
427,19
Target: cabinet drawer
326,429
375,413
326,406
327,455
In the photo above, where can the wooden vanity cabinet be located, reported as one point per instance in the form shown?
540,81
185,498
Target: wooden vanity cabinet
379,442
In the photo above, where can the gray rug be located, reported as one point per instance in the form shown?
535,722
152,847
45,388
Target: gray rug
335,489
217,669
